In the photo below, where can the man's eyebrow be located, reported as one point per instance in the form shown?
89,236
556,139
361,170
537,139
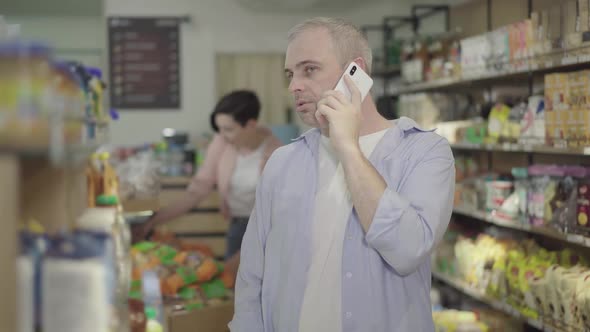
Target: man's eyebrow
301,64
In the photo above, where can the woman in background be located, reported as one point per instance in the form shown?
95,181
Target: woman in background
233,164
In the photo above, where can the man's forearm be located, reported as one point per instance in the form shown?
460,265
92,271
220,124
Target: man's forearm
365,184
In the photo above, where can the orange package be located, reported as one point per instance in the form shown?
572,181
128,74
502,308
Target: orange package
207,270
172,284
180,257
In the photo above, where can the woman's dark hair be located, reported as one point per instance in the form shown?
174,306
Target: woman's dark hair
241,105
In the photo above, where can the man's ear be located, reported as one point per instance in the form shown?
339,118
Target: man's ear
362,63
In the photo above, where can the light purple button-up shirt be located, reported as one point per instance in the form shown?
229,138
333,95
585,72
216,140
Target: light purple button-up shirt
385,271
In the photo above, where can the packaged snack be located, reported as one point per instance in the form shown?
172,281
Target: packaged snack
583,204
497,191
497,121
532,126
544,181
563,205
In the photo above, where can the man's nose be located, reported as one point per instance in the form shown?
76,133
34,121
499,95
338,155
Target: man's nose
295,85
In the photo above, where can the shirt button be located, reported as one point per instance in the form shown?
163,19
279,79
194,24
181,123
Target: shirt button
349,315
349,237
348,275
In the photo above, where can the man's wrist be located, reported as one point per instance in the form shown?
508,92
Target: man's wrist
350,154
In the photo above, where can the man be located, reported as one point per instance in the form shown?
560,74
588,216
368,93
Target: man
346,216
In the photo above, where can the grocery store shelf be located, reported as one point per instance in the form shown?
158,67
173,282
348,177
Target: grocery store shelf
175,182
558,60
70,153
522,225
387,71
521,148
498,305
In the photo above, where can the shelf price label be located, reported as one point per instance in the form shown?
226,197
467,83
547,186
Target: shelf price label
575,238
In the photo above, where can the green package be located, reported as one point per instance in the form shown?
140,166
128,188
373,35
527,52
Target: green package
188,276
145,246
214,289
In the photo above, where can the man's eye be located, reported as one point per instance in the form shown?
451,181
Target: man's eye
289,76
310,70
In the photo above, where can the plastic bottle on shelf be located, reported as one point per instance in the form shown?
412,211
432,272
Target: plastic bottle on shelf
521,188
152,298
96,87
75,285
33,243
106,218
110,186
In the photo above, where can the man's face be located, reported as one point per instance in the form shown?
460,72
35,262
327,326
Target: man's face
313,67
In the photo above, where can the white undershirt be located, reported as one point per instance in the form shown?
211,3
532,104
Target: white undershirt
242,186
321,309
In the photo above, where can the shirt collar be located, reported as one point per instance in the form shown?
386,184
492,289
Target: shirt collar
408,125
312,139
402,127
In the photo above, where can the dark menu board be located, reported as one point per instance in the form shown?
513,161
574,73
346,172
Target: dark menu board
144,58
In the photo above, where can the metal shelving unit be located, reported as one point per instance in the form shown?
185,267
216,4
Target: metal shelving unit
496,304
522,225
521,148
556,61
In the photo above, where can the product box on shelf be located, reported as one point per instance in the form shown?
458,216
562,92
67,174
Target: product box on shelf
578,83
572,112
544,37
570,16
535,35
583,124
572,27
556,107
583,15
555,14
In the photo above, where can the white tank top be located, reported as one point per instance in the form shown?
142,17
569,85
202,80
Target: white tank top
242,186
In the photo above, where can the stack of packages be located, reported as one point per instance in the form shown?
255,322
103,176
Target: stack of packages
188,273
454,321
541,284
538,196
567,103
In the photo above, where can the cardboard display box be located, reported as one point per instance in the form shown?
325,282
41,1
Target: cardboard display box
209,319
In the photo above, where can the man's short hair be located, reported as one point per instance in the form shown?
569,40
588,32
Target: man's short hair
349,41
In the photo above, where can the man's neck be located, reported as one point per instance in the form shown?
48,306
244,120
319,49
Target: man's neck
372,121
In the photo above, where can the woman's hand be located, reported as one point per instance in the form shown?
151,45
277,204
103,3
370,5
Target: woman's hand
142,232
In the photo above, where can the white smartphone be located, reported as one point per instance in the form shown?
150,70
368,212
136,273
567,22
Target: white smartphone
359,77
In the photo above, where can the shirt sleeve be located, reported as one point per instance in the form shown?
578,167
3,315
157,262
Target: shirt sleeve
409,222
207,173
248,301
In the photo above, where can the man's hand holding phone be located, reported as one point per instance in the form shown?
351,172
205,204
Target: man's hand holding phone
342,116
